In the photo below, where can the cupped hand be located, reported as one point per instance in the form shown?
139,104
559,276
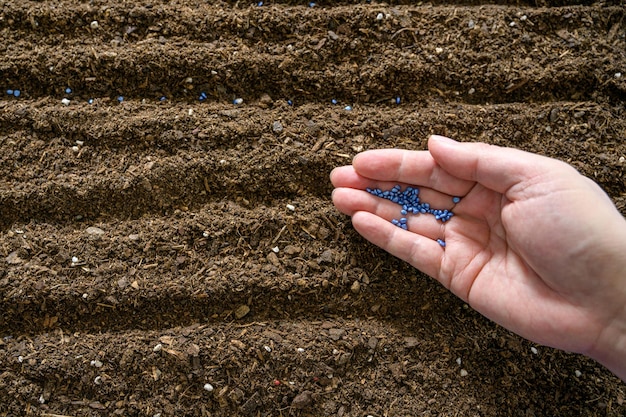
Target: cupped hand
533,245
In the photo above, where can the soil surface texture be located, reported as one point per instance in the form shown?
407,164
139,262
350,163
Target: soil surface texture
167,252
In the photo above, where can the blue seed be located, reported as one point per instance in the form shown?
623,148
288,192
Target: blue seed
456,199
203,96
120,98
68,90
398,100
290,102
90,101
348,108
441,243
16,93
163,98
10,92
260,4
333,101
311,4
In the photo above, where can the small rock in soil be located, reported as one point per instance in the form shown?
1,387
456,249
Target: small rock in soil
302,400
242,311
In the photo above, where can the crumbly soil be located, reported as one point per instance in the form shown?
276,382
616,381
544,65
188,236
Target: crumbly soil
136,238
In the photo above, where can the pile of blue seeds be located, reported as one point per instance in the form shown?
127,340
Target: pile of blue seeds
410,202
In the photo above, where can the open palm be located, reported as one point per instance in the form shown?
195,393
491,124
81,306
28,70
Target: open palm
523,248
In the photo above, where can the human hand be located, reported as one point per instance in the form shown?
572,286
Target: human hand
533,245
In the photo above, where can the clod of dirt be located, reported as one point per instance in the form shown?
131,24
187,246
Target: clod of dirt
242,311
302,400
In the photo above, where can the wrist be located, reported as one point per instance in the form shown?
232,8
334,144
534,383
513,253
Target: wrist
610,348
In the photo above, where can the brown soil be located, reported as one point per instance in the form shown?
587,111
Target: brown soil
136,238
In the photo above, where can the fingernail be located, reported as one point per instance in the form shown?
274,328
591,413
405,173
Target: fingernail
443,139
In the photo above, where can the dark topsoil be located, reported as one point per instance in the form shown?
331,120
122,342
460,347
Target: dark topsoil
136,238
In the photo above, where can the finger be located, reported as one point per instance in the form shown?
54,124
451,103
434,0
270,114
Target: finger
409,167
496,168
420,251
350,201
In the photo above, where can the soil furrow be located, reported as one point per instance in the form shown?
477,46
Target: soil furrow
347,66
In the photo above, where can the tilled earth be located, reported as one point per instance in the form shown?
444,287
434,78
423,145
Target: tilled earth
150,246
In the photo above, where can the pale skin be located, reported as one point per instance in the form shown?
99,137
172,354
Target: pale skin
534,245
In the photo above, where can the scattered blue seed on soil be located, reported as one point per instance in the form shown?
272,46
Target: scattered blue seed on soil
68,90
202,96
163,98
398,100
120,98
260,4
90,101
290,102
10,92
456,199
16,93
334,101
348,108
312,4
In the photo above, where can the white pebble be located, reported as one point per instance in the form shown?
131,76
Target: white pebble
42,400
291,207
80,142
66,101
85,295
208,387
237,101
189,80
300,350
157,347
458,361
512,24
96,363
190,112
98,380
267,348
534,350
75,149
471,24
523,18
578,373
20,359
205,234
438,50
471,91
275,249
74,259
618,75
94,24
213,72
463,372
380,16
622,159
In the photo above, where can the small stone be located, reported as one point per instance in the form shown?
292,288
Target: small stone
380,16
302,400
157,347
325,257
96,363
291,207
273,258
14,259
94,231
336,334
66,101
356,287
464,372
578,373
94,24
242,311
411,342
534,350
554,114
208,387
277,127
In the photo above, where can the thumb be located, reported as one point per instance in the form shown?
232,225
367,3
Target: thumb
494,167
